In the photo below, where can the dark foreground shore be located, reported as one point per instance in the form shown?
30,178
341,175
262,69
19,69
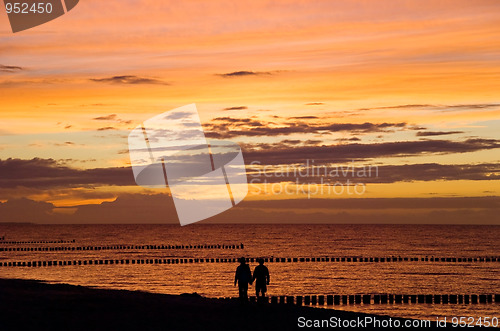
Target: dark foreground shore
34,305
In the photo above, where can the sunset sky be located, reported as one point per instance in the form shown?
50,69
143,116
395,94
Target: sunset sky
411,87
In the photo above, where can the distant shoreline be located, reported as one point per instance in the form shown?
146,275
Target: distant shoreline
31,304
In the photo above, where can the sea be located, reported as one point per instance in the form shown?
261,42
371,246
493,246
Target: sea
417,274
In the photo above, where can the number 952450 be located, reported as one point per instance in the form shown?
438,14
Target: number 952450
25,8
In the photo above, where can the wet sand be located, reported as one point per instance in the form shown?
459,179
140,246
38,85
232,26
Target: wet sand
28,304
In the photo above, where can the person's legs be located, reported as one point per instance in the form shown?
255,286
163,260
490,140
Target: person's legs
260,287
240,292
243,289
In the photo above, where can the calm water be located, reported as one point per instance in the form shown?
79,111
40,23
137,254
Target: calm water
216,280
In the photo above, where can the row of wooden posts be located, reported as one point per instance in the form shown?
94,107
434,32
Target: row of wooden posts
38,242
367,299
227,260
117,247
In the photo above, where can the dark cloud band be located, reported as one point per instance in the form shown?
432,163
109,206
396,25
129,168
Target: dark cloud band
129,79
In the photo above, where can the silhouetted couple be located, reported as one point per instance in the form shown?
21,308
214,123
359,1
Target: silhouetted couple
244,277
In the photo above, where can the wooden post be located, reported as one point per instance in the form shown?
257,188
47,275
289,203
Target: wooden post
299,300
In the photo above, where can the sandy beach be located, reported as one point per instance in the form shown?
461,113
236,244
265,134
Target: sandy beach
29,304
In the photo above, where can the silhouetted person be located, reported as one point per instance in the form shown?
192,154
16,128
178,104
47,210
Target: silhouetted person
261,277
243,277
